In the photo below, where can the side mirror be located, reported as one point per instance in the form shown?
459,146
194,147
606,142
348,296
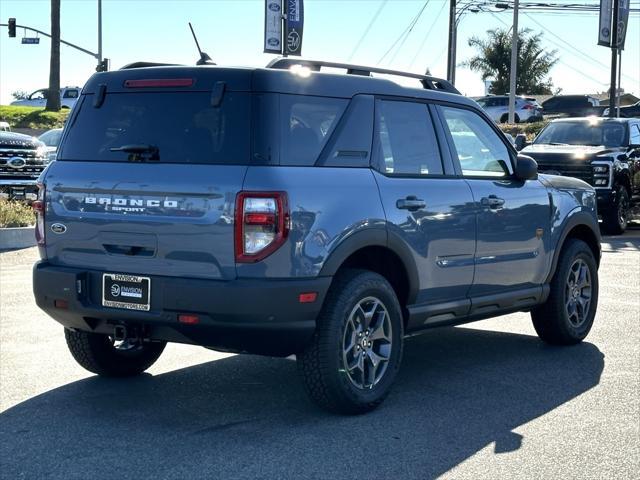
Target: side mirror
520,141
526,168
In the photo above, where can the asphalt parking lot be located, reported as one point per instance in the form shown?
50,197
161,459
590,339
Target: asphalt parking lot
482,401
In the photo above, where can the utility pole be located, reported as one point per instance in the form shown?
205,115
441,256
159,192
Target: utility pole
514,65
614,59
53,94
451,62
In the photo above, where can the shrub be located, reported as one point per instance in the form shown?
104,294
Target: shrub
16,214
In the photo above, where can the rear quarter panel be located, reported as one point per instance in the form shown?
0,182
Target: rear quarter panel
327,206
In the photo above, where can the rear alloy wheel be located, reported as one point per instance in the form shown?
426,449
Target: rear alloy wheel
354,356
567,316
102,355
615,221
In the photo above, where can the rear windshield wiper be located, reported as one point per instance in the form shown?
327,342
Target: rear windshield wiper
139,152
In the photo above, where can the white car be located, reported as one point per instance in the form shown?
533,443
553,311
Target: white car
68,98
51,139
497,107
4,127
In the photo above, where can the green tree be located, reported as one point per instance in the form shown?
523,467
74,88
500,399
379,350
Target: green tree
53,96
493,60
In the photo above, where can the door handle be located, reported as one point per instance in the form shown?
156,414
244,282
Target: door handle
492,201
411,203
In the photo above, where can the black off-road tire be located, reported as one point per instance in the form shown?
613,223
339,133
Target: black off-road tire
551,320
96,353
321,364
616,219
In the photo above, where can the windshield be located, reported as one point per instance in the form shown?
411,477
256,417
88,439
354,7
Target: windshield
609,134
51,138
165,127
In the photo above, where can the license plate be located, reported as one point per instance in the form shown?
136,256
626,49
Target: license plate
126,291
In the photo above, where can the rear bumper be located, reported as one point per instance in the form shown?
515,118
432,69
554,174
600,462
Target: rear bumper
253,316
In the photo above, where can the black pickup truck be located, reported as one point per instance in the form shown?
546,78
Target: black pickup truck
604,152
22,160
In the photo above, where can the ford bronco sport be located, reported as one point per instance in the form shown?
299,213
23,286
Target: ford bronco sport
285,210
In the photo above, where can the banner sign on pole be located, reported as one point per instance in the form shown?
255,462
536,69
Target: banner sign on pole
294,26
604,33
623,21
273,26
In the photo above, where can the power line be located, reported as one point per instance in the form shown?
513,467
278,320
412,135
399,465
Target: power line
366,31
559,61
424,40
573,47
405,32
399,49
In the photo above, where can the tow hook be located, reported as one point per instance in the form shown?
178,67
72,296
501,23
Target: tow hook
119,333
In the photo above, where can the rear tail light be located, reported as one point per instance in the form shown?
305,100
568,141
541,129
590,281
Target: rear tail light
261,224
39,207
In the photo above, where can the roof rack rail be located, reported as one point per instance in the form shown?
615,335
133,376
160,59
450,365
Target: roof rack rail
428,82
147,64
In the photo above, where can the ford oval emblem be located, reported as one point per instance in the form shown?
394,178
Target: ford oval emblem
58,228
274,7
273,42
16,162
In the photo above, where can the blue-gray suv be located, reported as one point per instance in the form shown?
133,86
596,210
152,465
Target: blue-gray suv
285,210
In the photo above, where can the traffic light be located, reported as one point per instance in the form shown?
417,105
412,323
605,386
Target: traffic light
12,27
103,66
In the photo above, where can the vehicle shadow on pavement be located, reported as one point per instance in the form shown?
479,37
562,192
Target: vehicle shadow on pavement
629,241
459,390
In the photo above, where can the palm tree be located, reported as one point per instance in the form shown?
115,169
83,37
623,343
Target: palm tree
494,61
53,95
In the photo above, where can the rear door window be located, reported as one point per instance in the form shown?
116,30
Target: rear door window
180,127
407,143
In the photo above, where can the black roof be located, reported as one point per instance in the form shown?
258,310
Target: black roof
267,80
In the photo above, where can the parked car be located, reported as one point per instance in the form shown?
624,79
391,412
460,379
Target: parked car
603,152
497,107
4,127
51,139
22,160
68,98
572,106
628,111
283,211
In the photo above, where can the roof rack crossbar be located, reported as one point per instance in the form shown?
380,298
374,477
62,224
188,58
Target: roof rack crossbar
428,82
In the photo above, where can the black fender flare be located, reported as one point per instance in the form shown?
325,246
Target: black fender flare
375,237
577,219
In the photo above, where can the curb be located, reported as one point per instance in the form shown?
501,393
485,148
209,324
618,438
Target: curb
19,237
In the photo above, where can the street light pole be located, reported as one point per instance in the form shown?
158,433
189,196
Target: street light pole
514,65
99,31
614,59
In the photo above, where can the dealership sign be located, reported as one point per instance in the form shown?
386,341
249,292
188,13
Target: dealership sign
606,23
291,13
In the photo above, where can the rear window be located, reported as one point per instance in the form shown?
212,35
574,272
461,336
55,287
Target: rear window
177,127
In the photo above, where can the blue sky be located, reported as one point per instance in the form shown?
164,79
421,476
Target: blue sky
232,33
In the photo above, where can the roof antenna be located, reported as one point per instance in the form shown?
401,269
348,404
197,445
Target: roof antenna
204,58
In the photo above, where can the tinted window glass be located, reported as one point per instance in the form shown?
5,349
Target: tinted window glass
51,138
70,94
306,124
407,141
180,127
635,135
480,151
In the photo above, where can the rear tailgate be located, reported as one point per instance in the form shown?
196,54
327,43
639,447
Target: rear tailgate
143,218
148,171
